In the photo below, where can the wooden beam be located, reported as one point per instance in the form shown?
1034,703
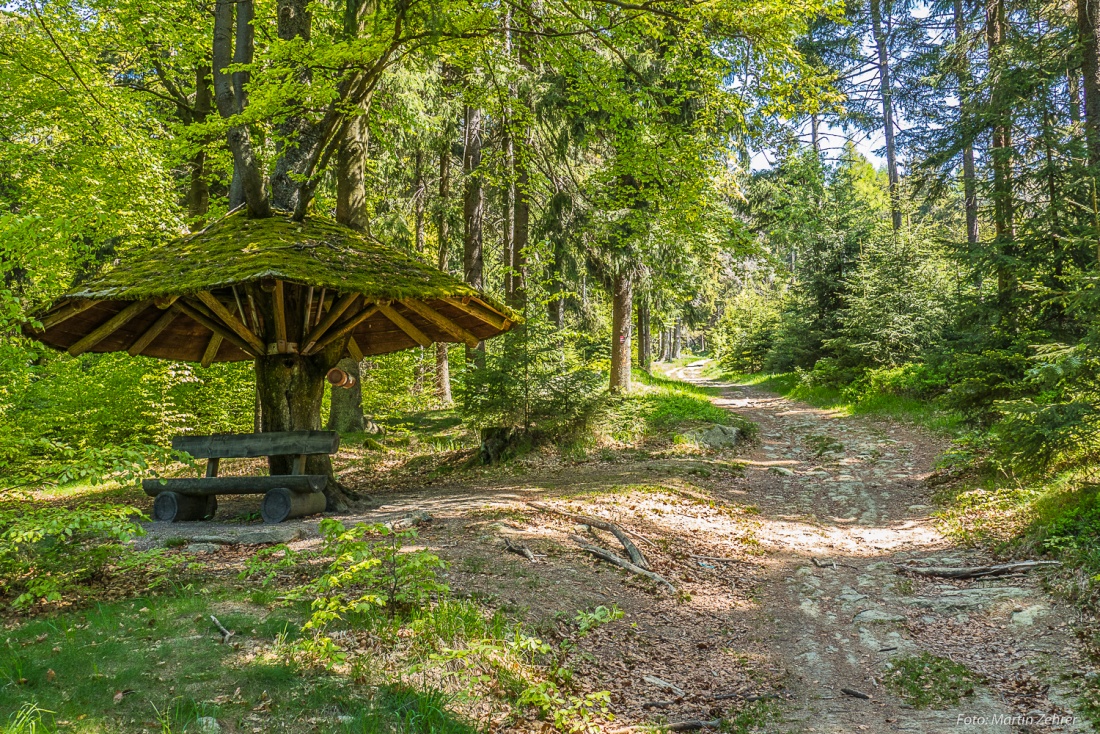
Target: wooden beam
354,350
212,348
405,325
280,317
67,311
344,328
475,309
152,333
330,318
307,311
202,319
444,323
230,320
165,302
109,327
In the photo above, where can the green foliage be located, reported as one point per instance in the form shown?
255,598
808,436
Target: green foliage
48,553
928,681
598,617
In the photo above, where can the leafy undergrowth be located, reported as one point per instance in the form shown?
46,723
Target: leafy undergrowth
927,681
358,635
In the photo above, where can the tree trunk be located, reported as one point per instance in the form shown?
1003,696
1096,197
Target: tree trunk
473,212
970,177
198,192
885,91
621,308
1001,151
645,340
442,364
420,196
815,137
1088,26
677,338
351,162
346,404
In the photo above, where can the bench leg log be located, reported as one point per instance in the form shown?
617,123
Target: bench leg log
282,504
176,507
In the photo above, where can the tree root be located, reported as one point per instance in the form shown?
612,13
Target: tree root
976,572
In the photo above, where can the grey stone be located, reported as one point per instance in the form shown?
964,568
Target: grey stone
208,725
957,599
202,547
715,437
877,616
273,534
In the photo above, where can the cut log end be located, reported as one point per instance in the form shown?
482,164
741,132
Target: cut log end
282,504
175,507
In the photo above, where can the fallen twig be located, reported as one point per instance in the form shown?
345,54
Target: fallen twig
654,680
855,694
520,550
829,564
226,634
975,572
717,559
692,725
621,562
657,704
636,556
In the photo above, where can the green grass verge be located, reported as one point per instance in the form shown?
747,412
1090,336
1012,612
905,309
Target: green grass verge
157,664
920,411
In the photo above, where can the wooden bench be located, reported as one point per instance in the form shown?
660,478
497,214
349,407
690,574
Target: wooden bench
285,496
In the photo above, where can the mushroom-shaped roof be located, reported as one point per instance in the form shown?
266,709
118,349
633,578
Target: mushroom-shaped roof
244,287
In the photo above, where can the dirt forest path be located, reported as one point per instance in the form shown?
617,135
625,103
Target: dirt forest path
842,500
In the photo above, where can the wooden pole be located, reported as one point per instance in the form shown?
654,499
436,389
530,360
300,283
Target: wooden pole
109,327
441,321
405,325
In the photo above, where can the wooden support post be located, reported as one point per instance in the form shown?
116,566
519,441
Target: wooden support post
307,311
230,320
280,317
67,311
212,348
151,333
482,312
298,466
202,319
354,350
326,323
109,327
320,308
444,323
405,325
345,328
212,467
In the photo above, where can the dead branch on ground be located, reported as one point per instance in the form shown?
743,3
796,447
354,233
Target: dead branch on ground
636,556
976,572
621,562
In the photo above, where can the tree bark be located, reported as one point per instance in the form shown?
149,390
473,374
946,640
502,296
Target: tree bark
1088,26
970,177
420,196
233,44
886,93
351,188
346,404
473,213
815,137
645,340
442,363
621,307
1001,150
677,338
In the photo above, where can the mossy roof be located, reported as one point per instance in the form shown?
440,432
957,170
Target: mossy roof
317,251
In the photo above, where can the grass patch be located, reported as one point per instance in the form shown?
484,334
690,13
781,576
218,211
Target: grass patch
928,681
870,401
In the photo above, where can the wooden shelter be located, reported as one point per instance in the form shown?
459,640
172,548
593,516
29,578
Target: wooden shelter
245,289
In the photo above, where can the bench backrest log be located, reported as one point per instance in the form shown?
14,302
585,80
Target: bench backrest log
255,445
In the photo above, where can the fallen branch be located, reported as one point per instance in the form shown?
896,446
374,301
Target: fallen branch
226,634
692,725
976,572
829,564
717,559
654,680
855,694
621,562
520,550
657,704
636,556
